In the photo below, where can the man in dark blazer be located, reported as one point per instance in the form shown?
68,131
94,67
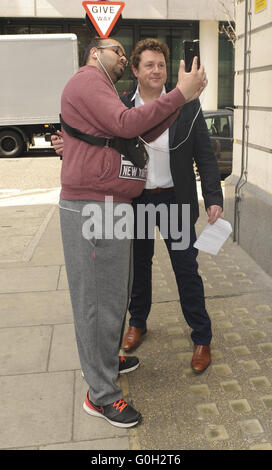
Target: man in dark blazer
171,180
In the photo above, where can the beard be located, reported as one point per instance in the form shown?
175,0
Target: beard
119,72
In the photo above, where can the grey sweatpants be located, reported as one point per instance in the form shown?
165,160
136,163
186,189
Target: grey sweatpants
99,273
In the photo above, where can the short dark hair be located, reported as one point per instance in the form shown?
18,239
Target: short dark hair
95,42
148,44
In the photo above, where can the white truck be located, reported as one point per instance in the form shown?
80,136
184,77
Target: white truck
34,68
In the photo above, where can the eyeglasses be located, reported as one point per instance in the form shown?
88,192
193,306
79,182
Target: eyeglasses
117,49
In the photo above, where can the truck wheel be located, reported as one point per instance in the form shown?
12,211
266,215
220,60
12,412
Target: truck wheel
11,144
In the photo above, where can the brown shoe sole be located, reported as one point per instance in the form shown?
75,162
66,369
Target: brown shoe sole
200,371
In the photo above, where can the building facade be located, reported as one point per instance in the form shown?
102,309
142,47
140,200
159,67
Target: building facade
248,191
171,21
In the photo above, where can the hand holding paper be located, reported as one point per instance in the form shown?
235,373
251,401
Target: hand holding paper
214,212
213,236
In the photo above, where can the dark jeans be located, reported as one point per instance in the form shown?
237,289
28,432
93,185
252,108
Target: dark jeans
189,282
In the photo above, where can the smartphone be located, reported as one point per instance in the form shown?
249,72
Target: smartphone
190,50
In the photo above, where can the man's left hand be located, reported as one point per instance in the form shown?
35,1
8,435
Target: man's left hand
214,212
57,142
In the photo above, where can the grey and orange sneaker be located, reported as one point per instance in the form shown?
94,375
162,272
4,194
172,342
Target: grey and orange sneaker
119,413
126,364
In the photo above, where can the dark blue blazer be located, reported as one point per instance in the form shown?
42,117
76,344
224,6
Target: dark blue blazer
197,148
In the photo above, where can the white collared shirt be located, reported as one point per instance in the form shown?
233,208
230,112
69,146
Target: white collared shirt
158,168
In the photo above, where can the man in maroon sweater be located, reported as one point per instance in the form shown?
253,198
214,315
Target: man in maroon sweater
98,266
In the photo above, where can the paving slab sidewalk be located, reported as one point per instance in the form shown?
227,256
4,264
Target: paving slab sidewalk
227,407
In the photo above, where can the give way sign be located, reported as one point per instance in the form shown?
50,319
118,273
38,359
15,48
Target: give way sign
103,15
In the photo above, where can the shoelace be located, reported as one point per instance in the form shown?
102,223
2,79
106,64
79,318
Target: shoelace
120,405
122,359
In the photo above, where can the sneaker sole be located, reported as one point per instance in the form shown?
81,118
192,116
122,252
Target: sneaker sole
125,371
122,371
114,423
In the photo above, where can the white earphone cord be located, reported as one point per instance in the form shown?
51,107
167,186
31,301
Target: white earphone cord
146,143
181,143
106,72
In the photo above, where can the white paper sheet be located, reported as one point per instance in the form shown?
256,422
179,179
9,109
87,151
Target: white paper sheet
213,236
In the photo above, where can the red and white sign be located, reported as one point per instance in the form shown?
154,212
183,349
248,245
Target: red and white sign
103,15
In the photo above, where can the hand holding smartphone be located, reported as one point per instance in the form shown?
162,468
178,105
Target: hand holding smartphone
191,50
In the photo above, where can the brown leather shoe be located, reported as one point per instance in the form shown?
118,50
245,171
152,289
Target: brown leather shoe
132,338
201,358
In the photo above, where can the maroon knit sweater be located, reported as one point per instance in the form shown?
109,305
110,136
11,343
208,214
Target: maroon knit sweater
90,103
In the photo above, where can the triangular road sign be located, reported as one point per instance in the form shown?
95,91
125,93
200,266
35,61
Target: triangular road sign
103,15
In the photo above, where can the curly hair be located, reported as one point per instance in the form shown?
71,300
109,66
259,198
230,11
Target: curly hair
149,44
